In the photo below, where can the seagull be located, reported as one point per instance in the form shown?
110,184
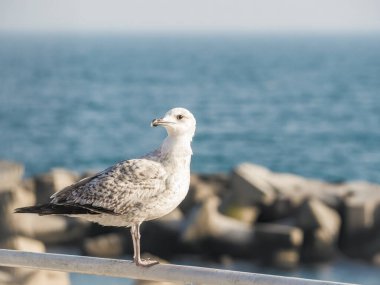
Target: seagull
136,190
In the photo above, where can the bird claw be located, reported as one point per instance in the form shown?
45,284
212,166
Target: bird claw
146,262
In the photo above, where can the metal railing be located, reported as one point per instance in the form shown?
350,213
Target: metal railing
161,272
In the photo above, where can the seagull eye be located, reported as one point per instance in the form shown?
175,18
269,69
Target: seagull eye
179,117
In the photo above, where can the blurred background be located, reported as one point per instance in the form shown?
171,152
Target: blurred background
292,86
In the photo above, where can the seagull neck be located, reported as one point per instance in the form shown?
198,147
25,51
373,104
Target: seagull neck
178,145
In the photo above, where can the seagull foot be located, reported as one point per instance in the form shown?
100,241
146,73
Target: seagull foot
146,262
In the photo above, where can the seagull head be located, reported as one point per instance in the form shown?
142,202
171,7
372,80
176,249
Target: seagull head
178,122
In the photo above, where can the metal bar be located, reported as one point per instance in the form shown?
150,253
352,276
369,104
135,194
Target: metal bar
160,272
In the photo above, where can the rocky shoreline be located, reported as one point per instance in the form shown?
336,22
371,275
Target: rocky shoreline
252,213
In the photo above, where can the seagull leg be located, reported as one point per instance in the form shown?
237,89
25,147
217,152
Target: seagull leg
135,233
133,230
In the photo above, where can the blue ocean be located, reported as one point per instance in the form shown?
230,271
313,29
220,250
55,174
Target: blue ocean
304,104
309,105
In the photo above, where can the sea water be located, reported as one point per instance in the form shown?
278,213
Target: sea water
301,104
308,105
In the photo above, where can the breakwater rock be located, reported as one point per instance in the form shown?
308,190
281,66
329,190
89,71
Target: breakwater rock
252,213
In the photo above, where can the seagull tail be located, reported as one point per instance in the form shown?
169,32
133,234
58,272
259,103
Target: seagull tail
44,209
57,209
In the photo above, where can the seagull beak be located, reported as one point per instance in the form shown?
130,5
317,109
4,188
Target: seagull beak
160,122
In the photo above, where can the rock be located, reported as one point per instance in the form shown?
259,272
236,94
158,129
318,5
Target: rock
22,196
23,243
377,215
321,225
6,278
376,259
318,246
270,236
278,194
42,277
215,233
255,184
33,277
219,182
107,245
10,174
162,236
11,223
49,183
315,204
50,229
283,258
59,229
359,216
367,249
246,214
203,187
249,182
282,208
314,214
278,245
5,213
206,221
28,184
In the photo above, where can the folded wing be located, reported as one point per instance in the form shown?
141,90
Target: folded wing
117,189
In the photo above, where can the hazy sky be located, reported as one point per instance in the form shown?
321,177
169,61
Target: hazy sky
190,15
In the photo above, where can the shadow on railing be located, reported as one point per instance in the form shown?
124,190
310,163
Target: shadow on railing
161,272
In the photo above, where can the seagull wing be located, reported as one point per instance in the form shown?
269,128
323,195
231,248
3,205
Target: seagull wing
118,189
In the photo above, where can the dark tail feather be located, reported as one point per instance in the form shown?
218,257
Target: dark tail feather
54,209
45,209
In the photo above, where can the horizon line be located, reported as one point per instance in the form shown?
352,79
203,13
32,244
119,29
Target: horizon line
195,31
